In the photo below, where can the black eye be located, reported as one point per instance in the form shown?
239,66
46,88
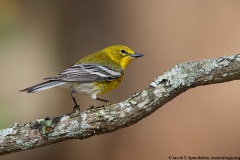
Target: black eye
123,51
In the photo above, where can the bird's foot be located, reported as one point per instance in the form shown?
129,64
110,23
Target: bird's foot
93,107
103,106
90,107
76,111
76,108
108,103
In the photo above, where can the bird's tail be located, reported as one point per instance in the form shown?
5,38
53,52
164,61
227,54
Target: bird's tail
42,86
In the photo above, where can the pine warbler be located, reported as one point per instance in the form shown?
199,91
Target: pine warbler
96,74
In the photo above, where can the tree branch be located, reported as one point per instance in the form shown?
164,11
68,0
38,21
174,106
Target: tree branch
110,118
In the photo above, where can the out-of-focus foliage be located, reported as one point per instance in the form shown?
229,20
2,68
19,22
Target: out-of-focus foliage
10,22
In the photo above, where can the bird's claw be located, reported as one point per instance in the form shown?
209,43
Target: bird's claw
76,111
108,104
90,107
76,108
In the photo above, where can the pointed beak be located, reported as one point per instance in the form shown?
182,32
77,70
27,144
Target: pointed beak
136,55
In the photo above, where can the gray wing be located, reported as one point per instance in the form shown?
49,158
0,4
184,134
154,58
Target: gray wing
87,73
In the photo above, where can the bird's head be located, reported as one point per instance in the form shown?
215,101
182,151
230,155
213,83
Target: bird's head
121,54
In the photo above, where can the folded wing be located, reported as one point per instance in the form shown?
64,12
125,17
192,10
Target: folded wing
87,73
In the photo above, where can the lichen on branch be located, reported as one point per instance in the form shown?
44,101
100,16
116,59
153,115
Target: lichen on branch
96,121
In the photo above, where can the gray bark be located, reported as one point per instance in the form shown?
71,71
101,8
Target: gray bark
113,117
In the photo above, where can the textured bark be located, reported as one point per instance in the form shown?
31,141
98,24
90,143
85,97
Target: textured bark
110,118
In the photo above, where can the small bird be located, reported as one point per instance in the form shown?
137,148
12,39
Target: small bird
96,74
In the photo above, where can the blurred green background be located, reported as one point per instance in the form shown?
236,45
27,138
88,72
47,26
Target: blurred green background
40,38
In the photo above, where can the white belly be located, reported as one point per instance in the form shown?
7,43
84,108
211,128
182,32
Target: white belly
86,88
